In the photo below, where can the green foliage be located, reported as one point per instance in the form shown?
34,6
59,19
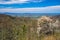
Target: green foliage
20,28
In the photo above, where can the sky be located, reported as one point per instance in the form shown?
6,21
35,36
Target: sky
30,6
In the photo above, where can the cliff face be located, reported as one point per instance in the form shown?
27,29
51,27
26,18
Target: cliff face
27,28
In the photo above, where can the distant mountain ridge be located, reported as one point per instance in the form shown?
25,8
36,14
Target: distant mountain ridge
31,14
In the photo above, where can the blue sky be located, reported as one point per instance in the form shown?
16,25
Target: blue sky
30,6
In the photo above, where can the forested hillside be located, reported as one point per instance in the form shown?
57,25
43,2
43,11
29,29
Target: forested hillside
27,28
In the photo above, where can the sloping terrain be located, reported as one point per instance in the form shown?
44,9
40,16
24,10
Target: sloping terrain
27,28
16,28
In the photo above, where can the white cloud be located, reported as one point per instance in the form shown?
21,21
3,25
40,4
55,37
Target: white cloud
13,1
18,1
50,9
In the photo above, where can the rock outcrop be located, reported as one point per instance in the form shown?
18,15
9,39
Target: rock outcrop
47,25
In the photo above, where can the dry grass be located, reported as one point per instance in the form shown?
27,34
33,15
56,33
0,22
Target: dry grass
51,37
